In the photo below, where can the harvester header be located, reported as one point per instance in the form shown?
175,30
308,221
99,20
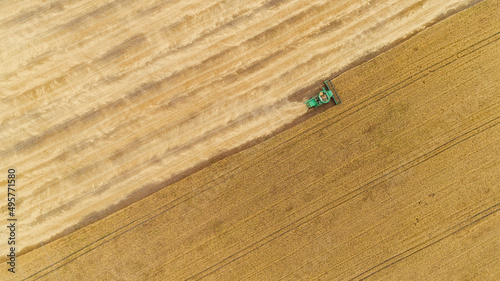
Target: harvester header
324,96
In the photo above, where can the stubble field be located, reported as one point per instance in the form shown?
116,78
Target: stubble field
399,182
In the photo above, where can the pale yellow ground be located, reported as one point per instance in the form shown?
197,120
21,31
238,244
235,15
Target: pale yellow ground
399,182
105,101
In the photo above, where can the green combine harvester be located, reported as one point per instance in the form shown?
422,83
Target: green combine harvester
324,96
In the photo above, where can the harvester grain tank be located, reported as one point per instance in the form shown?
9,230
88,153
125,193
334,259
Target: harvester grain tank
324,96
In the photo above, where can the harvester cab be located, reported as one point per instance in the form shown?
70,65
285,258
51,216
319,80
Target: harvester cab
324,96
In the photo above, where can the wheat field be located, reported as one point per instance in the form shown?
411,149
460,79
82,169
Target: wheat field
399,182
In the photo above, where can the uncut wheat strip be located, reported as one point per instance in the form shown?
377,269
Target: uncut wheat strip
74,24
490,110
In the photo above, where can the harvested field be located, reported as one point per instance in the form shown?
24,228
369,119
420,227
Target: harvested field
106,102
399,182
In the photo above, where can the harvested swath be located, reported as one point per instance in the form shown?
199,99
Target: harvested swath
400,177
